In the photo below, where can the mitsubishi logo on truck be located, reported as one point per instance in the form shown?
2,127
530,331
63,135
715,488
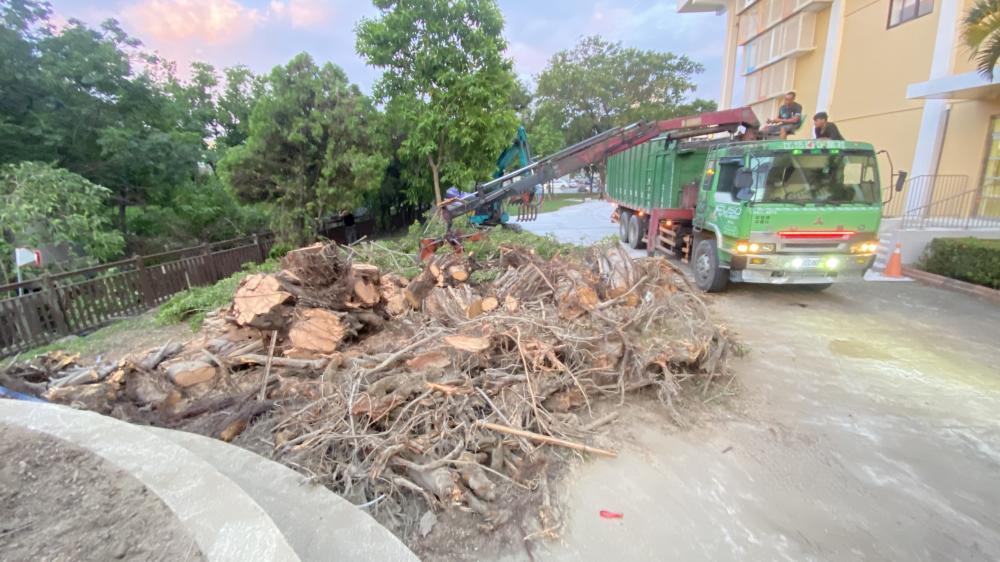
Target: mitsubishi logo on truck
819,220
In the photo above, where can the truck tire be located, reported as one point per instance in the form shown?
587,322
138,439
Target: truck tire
708,276
635,232
623,222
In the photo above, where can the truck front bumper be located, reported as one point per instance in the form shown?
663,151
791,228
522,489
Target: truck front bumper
788,269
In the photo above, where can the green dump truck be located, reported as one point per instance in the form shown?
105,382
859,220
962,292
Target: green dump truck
754,211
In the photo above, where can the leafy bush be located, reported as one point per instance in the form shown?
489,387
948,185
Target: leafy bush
279,250
42,206
200,211
967,259
193,304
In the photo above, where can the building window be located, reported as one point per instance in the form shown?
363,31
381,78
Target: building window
989,194
902,11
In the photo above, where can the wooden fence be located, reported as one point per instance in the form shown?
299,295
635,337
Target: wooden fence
42,310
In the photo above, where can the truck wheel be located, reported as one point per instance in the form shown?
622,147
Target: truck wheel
623,222
635,232
707,274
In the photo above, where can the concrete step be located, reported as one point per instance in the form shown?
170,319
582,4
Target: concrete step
224,521
319,524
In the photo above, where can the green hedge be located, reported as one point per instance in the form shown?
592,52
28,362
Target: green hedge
968,259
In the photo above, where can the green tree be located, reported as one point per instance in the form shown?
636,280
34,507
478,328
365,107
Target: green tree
599,85
446,78
981,34
310,151
44,206
235,104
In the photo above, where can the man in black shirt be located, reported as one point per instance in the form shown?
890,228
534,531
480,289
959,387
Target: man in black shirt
789,119
824,128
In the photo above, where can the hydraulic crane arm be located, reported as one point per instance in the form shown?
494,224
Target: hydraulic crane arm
597,149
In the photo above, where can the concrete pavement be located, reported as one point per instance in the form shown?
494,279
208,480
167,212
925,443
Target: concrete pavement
866,429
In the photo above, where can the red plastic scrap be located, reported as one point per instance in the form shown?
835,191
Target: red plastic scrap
611,514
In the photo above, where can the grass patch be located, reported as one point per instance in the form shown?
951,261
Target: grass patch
95,342
193,304
555,202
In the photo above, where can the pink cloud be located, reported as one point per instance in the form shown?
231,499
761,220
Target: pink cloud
302,13
212,22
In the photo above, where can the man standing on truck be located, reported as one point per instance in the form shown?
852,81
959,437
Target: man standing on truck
789,119
824,128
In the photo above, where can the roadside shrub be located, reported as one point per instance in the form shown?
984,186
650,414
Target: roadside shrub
967,259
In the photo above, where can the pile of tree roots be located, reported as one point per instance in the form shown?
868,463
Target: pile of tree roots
455,391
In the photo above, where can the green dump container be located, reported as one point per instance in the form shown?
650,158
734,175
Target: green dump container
653,174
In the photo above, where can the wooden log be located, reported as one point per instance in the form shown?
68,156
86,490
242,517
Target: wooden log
475,308
153,359
190,373
490,304
458,273
429,361
366,271
303,364
366,293
537,437
419,288
258,302
511,304
471,344
318,331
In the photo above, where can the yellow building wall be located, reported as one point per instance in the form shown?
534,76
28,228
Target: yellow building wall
965,142
878,64
808,70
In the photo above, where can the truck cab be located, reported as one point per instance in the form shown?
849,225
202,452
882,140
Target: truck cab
786,212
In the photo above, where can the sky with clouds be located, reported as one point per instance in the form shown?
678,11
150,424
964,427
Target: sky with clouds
264,33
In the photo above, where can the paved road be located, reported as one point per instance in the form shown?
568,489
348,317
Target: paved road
585,223
867,428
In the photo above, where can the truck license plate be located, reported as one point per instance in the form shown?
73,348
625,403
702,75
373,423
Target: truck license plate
811,262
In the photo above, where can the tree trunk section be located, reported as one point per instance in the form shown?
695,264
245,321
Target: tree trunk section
437,181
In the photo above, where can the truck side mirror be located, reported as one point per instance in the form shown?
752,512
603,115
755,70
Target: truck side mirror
900,180
743,179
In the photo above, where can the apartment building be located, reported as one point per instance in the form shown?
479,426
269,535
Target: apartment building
891,72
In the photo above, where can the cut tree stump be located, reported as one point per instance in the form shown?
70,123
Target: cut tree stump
258,302
190,373
318,331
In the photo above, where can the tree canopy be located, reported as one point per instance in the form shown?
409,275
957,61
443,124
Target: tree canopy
311,148
599,85
446,80
46,207
981,34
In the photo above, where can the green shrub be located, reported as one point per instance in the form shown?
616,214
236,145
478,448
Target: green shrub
279,250
967,259
193,304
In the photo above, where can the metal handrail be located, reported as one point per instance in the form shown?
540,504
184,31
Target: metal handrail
956,211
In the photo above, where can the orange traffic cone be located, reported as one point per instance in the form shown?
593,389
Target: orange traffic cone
895,266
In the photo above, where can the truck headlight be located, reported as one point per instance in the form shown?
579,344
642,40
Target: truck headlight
832,263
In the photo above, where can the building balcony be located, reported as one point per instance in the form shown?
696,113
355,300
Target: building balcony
966,86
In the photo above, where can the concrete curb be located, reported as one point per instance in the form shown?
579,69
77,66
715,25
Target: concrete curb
319,524
223,520
942,282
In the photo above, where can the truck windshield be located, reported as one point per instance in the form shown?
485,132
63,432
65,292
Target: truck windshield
826,178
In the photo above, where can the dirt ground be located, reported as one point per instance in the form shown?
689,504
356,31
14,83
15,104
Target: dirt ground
59,502
865,429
